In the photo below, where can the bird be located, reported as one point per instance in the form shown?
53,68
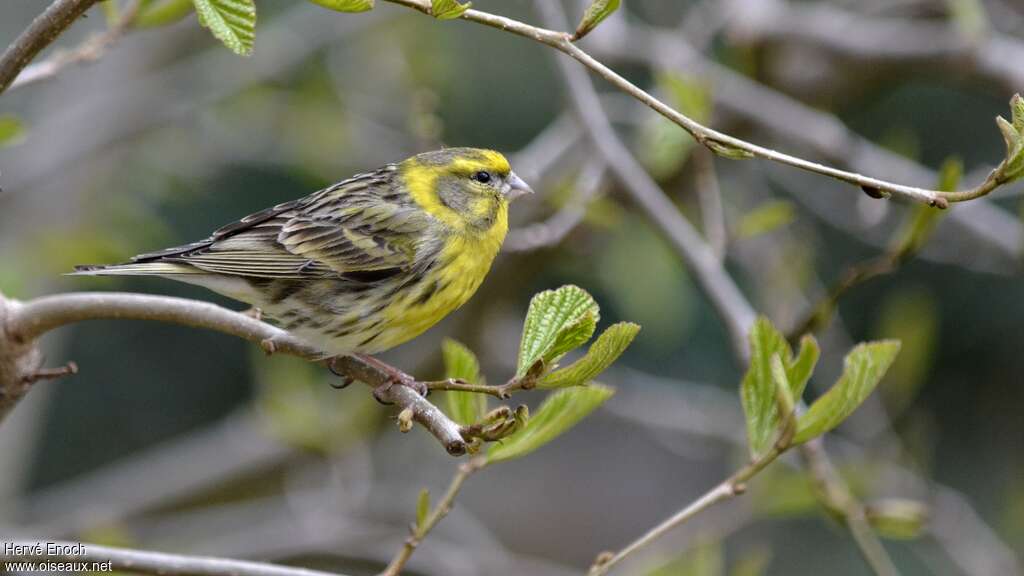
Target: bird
363,265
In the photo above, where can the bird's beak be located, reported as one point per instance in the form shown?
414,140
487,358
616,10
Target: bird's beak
515,187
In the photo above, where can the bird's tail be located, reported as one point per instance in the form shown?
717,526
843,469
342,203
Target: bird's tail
135,269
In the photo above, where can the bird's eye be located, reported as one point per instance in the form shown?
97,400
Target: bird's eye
482,177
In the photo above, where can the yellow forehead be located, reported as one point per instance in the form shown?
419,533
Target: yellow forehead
465,160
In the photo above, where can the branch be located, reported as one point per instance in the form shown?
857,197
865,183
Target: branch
21,324
144,562
728,488
89,51
57,18
443,507
716,141
836,496
731,305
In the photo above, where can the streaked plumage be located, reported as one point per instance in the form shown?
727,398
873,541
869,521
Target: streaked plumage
365,264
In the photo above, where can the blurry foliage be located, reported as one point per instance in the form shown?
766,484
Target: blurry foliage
897,518
754,562
304,411
909,315
663,147
765,218
460,363
705,558
646,282
12,130
970,17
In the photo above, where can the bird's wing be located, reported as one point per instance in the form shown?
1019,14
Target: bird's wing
360,228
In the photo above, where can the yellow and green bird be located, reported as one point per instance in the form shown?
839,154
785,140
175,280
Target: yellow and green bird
363,265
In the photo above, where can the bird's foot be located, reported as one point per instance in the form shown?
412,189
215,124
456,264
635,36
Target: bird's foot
254,313
395,377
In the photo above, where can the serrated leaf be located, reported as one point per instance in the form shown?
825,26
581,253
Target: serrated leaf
233,22
863,369
758,389
602,353
728,151
556,322
448,9
1017,112
594,15
162,13
559,412
765,218
345,5
460,363
12,131
422,508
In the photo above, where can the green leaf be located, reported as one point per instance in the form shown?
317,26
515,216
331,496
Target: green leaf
1013,134
345,5
12,131
728,150
233,22
422,508
559,412
595,14
557,322
691,95
765,218
970,17
602,353
1017,110
162,13
448,9
460,363
758,392
863,369
799,371
753,563
897,518
783,392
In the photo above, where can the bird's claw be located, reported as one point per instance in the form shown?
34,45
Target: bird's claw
382,393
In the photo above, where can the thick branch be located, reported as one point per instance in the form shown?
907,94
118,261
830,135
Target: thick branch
40,33
23,323
145,562
713,139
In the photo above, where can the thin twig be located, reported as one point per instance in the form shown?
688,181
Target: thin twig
440,510
22,323
728,488
40,33
730,303
836,496
87,52
141,561
716,141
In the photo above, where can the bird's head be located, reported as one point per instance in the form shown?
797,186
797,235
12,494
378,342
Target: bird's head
463,185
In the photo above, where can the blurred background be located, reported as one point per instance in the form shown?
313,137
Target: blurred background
181,440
